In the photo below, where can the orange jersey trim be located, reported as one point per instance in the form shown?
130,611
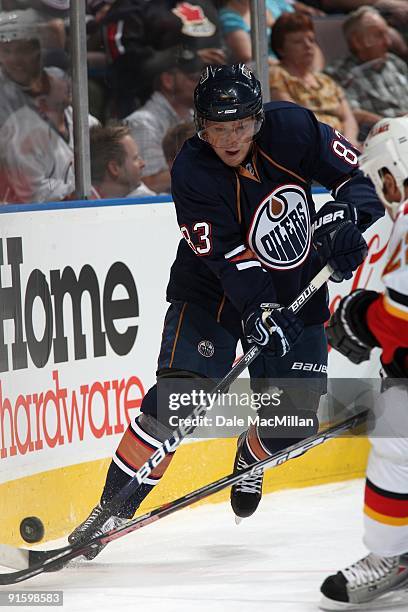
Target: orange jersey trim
385,519
181,317
393,310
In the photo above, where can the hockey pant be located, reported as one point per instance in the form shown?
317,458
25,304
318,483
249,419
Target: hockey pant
195,344
386,490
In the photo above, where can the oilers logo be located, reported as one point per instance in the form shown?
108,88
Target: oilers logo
280,231
206,348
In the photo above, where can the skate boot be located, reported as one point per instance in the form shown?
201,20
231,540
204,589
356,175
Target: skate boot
369,584
246,494
87,530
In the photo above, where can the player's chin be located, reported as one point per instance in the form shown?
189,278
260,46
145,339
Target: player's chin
232,157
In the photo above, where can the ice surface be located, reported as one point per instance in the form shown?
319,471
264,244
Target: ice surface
198,560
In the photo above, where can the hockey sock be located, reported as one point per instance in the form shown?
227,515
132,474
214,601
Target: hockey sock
258,446
297,413
250,448
139,441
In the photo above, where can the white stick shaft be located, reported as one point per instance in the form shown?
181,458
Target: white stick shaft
314,285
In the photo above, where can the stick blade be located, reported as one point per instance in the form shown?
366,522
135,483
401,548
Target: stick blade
13,557
23,558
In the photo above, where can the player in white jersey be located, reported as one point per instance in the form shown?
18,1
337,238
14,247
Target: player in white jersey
366,319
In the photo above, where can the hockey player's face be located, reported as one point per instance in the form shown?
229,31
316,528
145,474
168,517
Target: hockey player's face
230,140
392,194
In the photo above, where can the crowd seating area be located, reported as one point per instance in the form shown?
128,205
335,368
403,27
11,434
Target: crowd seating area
344,59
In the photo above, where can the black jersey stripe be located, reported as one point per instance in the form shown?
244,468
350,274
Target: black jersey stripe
384,493
398,297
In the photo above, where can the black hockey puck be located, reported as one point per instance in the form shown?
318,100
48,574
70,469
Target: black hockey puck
31,529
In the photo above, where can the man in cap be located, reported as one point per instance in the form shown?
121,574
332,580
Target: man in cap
175,75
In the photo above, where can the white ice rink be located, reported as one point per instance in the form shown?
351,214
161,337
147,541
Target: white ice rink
199,560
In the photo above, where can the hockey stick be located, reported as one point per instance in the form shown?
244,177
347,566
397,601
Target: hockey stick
37,562
169,445
181,432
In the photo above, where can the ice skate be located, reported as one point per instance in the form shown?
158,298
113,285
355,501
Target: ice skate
86,530
246,494
369,584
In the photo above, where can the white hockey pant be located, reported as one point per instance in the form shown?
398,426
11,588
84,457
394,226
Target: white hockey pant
386,516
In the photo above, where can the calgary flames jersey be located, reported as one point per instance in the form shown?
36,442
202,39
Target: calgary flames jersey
387,317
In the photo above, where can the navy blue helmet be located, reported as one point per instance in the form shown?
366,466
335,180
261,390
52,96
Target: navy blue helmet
227,93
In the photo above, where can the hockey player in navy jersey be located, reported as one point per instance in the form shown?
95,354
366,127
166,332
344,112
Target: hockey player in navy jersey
364,320
242,191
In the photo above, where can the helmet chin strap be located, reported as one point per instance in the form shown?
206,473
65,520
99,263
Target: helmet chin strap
392,207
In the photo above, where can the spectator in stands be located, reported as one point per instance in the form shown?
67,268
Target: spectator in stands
50,14
51,8
376,81
36,144
134,30
294,80
395,12
235,18
53,103
170,104
116,163
346,6
175,138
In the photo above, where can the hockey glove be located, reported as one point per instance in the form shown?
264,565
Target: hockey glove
274,327
347,330
338,239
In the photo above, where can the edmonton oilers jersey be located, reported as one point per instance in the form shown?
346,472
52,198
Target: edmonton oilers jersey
248,230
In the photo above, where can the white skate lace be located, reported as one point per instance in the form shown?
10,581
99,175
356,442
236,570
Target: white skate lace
251,484
91,518
369,570
110,523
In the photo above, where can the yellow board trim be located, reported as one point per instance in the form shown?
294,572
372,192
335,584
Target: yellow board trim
62,498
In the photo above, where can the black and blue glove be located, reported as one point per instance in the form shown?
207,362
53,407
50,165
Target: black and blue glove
274,327
338,240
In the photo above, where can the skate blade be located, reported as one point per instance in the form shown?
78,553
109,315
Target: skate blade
238,520
396,598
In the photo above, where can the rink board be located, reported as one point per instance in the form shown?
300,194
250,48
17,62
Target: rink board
83,299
